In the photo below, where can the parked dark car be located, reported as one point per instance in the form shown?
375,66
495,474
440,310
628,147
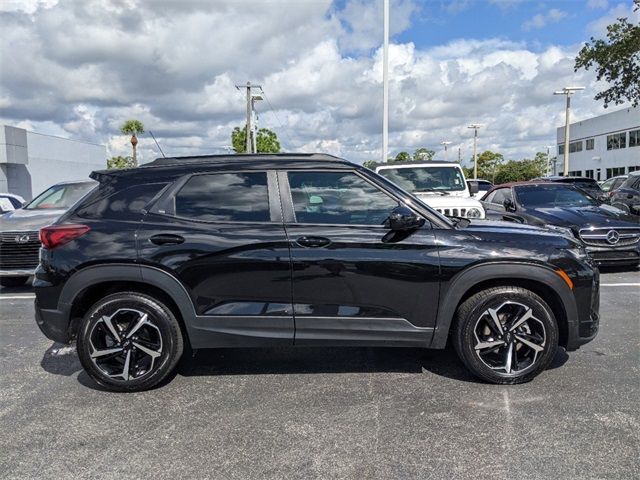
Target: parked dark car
609,234
19,242
299,249
587,184
627,196
611,184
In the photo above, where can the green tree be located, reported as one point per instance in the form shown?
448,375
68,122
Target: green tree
616,60
370,164
120,162
522,170
400,157
488,164
266,140
133,128
423,155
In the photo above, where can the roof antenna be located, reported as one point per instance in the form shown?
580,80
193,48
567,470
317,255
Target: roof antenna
154,139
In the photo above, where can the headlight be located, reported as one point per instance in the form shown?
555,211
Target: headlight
474,213
561,230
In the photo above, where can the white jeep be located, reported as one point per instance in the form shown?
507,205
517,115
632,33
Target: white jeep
441,185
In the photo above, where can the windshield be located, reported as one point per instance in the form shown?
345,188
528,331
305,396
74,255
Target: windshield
60,196
426,179
540,196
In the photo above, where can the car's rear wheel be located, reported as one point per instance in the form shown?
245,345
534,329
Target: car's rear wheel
129,342
13,281
506,335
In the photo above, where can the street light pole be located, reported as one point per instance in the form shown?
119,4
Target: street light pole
445,143
567,91
549,159
475,127
385,82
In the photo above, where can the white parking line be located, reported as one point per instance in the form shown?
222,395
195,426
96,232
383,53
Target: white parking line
18,297
620,284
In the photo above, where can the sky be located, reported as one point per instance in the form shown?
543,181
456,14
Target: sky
79,69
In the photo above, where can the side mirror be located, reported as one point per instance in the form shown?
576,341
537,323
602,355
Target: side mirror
509,206
402,219
474,187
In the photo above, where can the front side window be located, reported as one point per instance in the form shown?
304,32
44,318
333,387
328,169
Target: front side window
501,195
426,179
341,198
224,197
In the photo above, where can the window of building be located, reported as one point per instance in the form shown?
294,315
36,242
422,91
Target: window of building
598,174
575,146
561,149
633,168
634,138
588,173
225,197
338,198
590,143
616,141
575,173
613,172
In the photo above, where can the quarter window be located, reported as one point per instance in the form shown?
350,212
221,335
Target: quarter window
225,197
342,198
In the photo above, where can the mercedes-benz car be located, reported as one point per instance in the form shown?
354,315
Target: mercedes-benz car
19,237
610,235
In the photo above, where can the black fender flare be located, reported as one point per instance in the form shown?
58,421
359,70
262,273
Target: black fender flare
465,280
95,274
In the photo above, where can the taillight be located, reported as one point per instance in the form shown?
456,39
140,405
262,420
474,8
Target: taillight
55,235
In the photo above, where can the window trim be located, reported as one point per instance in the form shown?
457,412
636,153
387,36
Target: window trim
166,205
289,209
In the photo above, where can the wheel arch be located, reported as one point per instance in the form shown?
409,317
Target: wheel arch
90,284
541,280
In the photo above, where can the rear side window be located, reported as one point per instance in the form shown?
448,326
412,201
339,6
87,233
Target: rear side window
112,202
225,197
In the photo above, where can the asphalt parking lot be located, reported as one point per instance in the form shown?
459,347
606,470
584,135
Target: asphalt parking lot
325,412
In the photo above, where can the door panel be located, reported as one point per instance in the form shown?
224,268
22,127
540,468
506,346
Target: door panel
355,281
238,274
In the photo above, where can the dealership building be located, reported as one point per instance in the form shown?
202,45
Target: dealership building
31,162
602,147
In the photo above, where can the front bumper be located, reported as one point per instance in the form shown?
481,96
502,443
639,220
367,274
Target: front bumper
614,256
17,272
587,324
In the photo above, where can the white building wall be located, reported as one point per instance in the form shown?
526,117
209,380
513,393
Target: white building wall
598,128
31,162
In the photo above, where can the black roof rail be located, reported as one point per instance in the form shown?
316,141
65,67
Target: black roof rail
239,156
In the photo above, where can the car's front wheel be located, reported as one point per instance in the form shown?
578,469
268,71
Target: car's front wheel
506,335
129,342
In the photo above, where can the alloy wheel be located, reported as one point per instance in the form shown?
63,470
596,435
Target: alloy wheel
125,345
509,338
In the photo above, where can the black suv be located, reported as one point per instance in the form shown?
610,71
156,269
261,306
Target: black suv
299,249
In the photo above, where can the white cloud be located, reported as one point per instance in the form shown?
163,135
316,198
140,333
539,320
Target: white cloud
598,4
542,20
81,68
621,10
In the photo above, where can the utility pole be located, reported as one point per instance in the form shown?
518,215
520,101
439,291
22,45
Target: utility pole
459,155
385,82
549,147
446,144
475,127
248,86
567,91
254,137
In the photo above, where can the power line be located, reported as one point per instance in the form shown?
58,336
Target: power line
273,110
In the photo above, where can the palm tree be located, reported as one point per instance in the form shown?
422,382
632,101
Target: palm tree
133,128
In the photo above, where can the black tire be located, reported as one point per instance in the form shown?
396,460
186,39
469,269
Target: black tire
160,335
484,347
13,281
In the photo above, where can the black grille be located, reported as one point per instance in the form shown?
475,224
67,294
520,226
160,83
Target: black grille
19,249
598,237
